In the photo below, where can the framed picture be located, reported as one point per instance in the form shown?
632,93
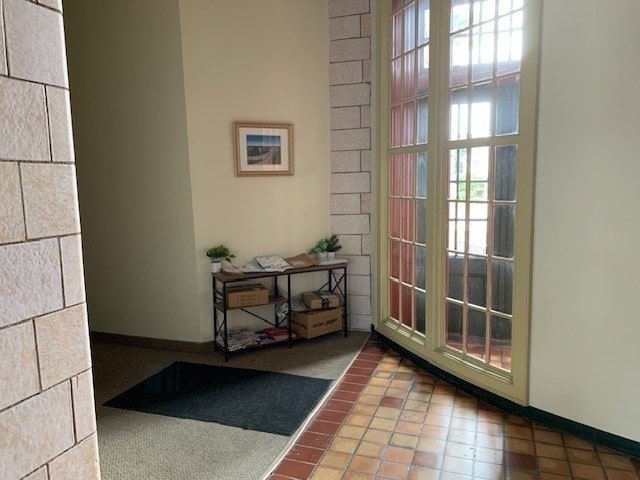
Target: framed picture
263,148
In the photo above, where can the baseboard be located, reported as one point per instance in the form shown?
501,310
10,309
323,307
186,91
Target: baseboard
593,435
157,343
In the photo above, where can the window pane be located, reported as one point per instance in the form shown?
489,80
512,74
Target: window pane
454,326
423,120
423,70
509,44
421,265
507,105
455,276
482,50
503,225
505,174
477,282
421,222
477,334
458,174
502,286
421,176
500,342
460,14
394,260
423,22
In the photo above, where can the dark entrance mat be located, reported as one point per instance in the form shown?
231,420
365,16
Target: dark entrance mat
251,399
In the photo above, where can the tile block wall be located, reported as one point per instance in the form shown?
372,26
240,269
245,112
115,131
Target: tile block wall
350,101
47,414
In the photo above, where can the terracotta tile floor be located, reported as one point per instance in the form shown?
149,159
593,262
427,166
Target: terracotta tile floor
388,419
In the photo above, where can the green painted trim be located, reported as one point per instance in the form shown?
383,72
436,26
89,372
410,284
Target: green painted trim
564,425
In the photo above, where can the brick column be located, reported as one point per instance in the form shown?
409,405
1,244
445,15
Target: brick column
350,97
47,418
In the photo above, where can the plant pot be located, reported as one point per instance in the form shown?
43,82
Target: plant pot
322,255
331,255
216,267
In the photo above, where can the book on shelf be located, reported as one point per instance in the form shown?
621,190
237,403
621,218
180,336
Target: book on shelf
279,334
238,338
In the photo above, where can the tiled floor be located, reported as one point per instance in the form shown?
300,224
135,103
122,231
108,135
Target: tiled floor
390,420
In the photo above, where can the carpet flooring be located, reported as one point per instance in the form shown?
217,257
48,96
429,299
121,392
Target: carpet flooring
270,402
135,445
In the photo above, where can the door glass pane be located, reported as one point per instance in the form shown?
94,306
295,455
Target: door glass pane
421,222
458,174
477,281
460,14
396,35
509,44
395,175
421,266
394,300
396,80
459,114
423,21
421,176
502,286
408,219
503,230
408,266
423,120
454,326
396,126
477,334
409,175
409,127
423,69
406,305
409,28
455,276
395,217
459,70
409,75
507,105
481,111
478,213
394,260
500,343
505,174
420,314
482,50
457,231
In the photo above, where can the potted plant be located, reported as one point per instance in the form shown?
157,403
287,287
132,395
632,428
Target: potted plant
333,245
217,254
320,249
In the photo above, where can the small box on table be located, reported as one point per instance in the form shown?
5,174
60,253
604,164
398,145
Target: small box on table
247,295
324,299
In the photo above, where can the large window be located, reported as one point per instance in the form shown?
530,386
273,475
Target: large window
458,91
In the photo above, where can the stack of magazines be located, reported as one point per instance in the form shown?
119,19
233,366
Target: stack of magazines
238,338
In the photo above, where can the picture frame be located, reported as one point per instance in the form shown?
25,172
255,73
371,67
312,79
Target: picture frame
263,148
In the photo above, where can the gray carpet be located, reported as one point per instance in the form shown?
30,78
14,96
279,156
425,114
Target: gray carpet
135,445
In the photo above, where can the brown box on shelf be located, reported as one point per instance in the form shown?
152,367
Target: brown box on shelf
324,299
316,322
247,295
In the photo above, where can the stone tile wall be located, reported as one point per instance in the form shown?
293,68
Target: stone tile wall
47,415
350,98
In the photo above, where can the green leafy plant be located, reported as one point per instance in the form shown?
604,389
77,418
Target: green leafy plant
330,244
220,252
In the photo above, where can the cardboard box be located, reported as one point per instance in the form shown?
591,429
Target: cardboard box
316,322
247,295
324,299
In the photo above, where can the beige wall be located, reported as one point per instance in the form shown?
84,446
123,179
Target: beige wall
258,61
47,419
584,344
125,64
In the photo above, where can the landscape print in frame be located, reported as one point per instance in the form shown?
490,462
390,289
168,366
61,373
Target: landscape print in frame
263,148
